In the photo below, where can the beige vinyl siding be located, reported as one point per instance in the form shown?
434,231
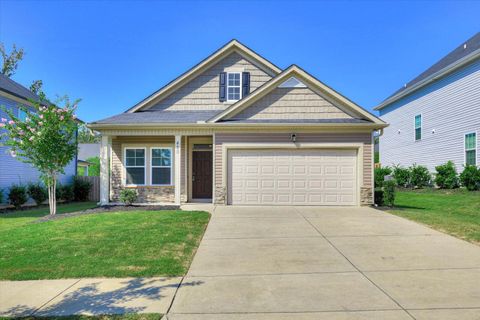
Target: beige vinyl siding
146,193
202,92
321,137
292,103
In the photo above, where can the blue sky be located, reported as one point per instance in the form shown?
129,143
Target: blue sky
112,54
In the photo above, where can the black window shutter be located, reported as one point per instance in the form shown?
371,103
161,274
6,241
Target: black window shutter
245,84
222,88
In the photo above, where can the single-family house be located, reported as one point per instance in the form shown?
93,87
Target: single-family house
436,117
13,171
236,129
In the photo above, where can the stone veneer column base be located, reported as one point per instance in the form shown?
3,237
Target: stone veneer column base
366,196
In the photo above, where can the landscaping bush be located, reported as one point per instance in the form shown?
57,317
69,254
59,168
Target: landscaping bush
128,196
446,176
402,176
81,189
378,195
1,196
389,192
380,174
65,192
37,192
470,178
419,176
17,195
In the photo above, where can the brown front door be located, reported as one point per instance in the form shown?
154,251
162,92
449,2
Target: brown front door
202,174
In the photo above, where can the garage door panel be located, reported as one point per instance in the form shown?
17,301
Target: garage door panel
292,177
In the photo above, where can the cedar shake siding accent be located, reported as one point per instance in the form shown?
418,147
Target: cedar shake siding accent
145,193
202,92
292,103
320,137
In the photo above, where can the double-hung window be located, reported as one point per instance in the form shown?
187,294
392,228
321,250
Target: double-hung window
161,162
234,86
471,149
135,166
418,127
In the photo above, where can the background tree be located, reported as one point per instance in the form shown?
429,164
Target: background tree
10,60
94,168
45,139
86,135
36,86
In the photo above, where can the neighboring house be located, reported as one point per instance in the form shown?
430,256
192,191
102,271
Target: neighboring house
236,129
12,171
85,152
436,117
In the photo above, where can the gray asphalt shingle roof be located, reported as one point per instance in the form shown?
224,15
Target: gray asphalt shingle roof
187,116
463,50
16,89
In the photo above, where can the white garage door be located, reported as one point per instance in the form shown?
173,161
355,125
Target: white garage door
292,177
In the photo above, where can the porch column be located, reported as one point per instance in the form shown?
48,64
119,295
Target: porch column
178,168
105,148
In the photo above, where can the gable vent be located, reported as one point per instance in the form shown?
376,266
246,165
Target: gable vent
292,83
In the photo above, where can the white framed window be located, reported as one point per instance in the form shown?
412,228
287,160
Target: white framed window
471,148
418,127
234,86
135,173
161,166
22,115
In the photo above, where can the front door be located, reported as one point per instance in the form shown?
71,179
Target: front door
202,174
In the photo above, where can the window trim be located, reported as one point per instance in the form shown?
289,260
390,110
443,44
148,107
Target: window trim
172,183
415,127
125,166
239,86
474,148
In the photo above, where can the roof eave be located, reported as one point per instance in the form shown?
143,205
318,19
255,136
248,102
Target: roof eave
437,75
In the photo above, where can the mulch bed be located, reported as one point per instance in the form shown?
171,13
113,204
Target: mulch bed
106,209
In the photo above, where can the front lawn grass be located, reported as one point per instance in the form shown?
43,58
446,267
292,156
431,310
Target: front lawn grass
118,244
456,212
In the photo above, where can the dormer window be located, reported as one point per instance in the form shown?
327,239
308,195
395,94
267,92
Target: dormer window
233,86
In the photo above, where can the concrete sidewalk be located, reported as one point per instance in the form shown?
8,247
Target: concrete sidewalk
87,296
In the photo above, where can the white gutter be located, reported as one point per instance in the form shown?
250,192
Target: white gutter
448,69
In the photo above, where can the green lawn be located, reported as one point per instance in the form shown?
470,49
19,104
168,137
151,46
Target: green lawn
119,244
131,316
456,212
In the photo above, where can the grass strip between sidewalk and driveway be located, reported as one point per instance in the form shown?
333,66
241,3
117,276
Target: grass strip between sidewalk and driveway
118,244
456,212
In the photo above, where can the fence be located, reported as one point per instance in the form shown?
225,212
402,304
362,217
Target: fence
94,194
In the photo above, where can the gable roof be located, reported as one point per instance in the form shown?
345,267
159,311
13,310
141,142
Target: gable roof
316,85
230,47
463,54
14,88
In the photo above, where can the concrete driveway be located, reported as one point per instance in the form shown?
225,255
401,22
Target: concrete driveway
327,263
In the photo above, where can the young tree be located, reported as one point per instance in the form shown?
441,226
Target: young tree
45,139
10,60
86,135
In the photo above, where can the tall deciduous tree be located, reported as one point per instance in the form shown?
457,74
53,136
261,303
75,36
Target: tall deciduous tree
46,139
10,60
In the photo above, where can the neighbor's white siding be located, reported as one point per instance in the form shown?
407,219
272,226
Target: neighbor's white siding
450,107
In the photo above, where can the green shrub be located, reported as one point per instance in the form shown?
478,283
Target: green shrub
37,192
378,195
470,178
65,192
389,192
402,176
81,189
380,174
17,195
128,196
446,176
419,176
1,195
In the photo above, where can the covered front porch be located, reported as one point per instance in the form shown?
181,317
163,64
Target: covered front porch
163,169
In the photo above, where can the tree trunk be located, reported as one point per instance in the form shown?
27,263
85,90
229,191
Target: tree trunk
52,199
